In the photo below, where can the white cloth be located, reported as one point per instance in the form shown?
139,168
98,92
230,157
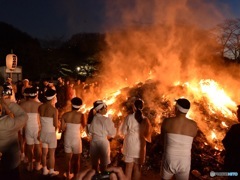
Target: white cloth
47,124
131,130
178,144
100,128
48,135
32,129
72,138
177,156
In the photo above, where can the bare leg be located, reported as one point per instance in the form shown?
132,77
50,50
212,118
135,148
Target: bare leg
38,150
68,163
51,158
136,171
29,151
129,170
44,156
22,143
76,164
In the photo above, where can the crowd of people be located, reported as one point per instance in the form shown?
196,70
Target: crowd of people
31,114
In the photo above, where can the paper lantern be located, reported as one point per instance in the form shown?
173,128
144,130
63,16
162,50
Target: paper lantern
11,61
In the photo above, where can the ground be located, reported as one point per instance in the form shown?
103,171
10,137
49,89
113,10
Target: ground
60,166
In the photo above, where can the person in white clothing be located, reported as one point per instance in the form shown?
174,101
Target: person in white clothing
72,122
32,128
49,124
177,135
100,129
136,129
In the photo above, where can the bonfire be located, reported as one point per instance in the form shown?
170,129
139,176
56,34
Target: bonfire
211,108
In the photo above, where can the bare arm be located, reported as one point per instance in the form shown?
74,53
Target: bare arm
63,123
84,120
163,131
55,118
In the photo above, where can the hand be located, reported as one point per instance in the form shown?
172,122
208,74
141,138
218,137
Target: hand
86,174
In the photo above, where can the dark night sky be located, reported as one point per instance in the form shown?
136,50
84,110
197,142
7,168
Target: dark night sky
53,18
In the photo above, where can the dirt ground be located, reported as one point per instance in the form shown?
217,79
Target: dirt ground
60,166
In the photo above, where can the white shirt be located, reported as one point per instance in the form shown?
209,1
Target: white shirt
101,127
131,130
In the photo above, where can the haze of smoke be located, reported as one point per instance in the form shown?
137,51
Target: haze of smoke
164,40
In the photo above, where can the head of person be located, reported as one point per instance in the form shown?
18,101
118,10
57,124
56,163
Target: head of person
50,83
138,105
60,79
26,92
9,80
6,91
50,94
93,111
76,103
32,92
182,105
100,107
25,82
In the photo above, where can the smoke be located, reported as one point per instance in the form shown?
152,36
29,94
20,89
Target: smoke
167,41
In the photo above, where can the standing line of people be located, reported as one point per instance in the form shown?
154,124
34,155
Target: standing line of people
39,121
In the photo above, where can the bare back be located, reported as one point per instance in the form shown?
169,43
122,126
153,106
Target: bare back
73,117
180,125
30,106
47,110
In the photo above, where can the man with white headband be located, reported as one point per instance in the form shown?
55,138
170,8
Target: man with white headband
72,123
49,124
177,135
32,128
101,128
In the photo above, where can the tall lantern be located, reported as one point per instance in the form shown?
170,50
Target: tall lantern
11,61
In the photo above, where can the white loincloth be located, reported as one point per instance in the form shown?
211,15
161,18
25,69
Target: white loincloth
32,129
177,156
48,134
72,139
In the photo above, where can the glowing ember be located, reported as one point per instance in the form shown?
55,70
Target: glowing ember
224,124
213,135
119,114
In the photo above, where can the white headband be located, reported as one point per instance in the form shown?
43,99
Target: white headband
32,94
76,106
100,106
50,97
181,109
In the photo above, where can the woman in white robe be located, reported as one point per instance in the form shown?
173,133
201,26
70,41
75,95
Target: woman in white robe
101,128
136,130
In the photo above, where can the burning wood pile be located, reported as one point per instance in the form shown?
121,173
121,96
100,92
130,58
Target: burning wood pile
207,150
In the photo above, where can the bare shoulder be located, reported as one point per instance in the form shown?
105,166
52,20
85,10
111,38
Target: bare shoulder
167,120
192,122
